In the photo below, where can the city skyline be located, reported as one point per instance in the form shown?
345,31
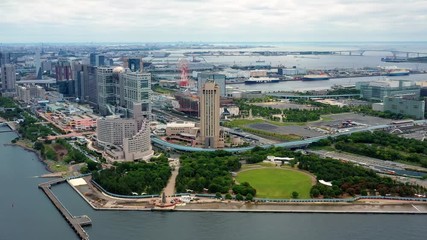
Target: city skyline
212,21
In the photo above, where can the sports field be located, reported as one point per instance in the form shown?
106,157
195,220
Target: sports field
277,182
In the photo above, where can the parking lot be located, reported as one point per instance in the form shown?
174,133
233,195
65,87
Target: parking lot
333,124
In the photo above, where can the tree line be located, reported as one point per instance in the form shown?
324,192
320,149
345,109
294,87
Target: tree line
129,177
350,179
211,172
381,145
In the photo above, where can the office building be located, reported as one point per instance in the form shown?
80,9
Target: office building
8,78
137,94
377,90
38,66
86,84
210,132
96,60
126,91
219,79
106,86
408,105
67,88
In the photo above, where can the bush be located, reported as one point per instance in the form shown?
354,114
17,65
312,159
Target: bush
239,197
295,195
249,197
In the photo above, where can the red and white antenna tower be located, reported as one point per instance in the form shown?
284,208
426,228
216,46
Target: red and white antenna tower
183,65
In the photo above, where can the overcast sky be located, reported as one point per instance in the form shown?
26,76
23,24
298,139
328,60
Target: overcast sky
212,20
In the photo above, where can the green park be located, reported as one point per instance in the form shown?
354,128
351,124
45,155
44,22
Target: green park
277,182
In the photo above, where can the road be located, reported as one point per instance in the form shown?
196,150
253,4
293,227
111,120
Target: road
292,144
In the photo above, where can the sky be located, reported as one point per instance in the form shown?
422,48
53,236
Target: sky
212,20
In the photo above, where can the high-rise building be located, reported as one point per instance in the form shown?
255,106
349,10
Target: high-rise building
87,83
38,65
210,132
5,58
8,78
63,70
219,79
96,60
137,94
106,86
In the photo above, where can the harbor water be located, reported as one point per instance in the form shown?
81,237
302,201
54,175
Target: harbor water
26,213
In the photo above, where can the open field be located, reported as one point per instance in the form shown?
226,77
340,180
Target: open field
309,129
285,105
277,182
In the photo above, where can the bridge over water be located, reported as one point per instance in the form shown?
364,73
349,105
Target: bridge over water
395,53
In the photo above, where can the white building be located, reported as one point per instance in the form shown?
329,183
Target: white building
121,139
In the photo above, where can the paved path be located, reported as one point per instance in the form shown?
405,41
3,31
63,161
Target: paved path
169,190
366,160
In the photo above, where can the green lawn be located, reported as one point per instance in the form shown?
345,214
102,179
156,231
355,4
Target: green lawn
277,183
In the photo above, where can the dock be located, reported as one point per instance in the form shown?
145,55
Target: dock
75,222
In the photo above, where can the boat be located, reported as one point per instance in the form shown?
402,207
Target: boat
394,59
315,77
398,72
261,80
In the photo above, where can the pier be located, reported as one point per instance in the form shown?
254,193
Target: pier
10,124
75,222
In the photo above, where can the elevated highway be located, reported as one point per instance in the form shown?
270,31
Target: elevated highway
293,144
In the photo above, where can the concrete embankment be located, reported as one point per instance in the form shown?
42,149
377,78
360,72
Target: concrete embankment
338,208
75,223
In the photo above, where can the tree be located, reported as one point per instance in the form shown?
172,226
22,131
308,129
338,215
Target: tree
364,192
228,196
239,197
314,192
295,194
38,145
218,195
249,197
92,166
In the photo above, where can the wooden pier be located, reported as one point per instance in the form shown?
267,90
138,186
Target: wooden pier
75,222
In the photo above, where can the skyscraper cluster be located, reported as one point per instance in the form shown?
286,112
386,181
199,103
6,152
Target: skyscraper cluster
124,98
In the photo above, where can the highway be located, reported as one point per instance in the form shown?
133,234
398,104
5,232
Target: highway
293,144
